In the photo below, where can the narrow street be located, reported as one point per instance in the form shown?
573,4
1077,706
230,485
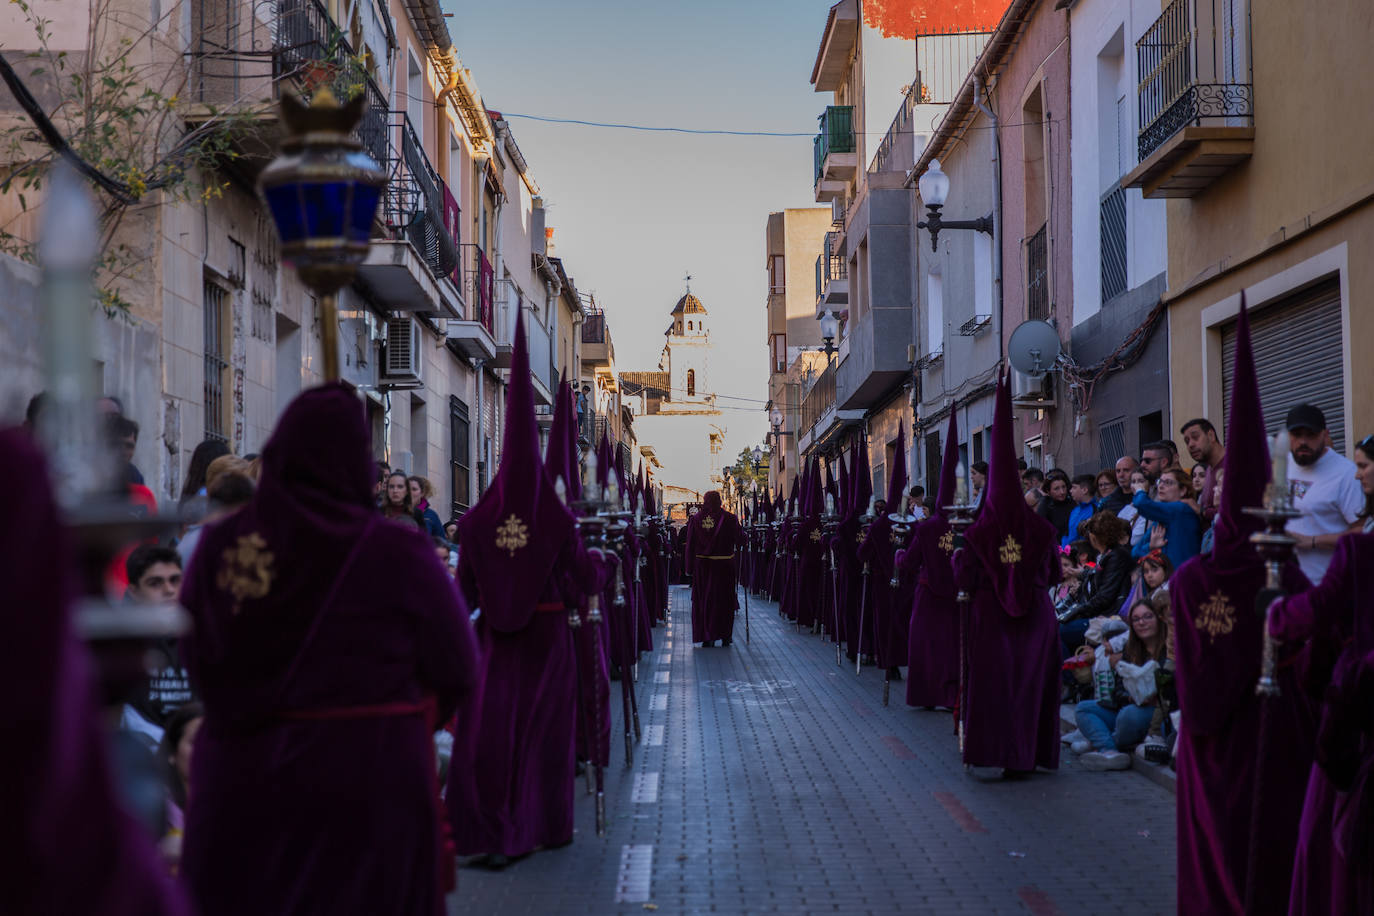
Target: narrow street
771,780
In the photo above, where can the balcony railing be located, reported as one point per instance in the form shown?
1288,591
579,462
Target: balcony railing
1113,225
836,136
308,47
1193,65
819,399
1038,275
478,286
413,204
830,263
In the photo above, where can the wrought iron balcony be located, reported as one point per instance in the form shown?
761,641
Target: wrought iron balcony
1038,275
832,276
413,204
834,151
478,286
1195,101
819,399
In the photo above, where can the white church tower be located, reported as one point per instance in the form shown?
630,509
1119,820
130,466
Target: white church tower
686,358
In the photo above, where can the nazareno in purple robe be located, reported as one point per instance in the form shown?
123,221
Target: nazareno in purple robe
712,535
933,646
327,646
1009,563
70,847
1236,836
1333,870
510,785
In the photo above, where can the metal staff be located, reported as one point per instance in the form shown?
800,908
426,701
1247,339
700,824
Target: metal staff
1276,547
746,592
863,608
960,517
901,528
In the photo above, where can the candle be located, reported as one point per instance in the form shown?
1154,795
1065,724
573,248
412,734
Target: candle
961,487
829,504
560,489
1279,456
589,473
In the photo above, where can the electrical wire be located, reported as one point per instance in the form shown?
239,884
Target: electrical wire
716,131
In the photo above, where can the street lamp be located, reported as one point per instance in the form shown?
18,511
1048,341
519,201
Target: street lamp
322,191
934,188
830,329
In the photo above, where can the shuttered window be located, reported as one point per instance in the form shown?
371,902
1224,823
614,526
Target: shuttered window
1298,355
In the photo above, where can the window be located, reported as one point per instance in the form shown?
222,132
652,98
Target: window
779,342
935,313
216,301
689,326
415,96
776,278
691,383
460,455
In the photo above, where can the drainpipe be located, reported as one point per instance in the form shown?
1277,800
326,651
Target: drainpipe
477,365
979,90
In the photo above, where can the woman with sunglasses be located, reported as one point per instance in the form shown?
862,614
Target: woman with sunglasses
1334,867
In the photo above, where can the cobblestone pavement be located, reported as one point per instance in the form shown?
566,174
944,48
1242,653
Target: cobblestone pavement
771,780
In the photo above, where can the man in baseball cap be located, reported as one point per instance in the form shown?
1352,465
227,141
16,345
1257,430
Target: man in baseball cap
1323,486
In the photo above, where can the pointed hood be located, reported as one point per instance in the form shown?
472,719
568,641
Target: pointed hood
832,486
863,484
817,490
792,497
637,491
1246,467
949,466
516,532
561,456
841,486
603,461
650,504
1013,543
896,481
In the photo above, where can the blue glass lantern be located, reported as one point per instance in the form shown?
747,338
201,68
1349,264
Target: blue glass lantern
322,192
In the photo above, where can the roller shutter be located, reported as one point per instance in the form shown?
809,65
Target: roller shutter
1298,356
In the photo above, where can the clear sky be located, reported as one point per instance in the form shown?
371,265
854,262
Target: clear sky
634,212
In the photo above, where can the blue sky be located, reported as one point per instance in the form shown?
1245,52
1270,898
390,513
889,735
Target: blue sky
633,211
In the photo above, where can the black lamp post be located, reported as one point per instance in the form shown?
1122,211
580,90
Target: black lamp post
934,188
323,191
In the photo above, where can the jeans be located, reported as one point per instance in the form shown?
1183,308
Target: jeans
1113,729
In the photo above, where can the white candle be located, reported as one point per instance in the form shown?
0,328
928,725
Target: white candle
960,486
1279,457
829,504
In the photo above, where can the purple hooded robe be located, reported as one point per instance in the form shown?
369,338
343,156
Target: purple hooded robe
933,648
891,606
1218,661
70,847
314,786
1009,563
510,783
712,536
1334,867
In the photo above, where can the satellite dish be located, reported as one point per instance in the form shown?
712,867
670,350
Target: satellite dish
1033,347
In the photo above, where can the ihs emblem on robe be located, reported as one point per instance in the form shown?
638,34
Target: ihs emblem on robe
1216,617
512,535
708,523
946,542
1010,551
246,569
816,535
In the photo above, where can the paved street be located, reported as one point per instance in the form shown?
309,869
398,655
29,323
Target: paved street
771,780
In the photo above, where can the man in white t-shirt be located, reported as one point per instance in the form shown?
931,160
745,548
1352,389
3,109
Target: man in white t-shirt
1324,490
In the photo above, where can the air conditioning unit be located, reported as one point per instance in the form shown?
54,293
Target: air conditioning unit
837,209
404,353
1032,392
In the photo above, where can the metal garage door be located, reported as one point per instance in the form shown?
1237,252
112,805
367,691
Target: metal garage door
1298,347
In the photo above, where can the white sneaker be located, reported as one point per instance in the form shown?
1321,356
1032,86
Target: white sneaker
1082,745
1105,760
1071,737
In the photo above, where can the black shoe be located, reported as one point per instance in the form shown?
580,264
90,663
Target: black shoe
894,673
1011,774
494,862
708,644
724,643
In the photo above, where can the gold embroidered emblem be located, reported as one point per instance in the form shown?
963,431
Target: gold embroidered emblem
246,569
816,535
947,542
708,523
1216,617
859,538
1010,551
512,535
